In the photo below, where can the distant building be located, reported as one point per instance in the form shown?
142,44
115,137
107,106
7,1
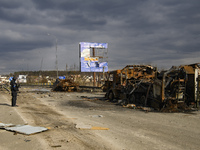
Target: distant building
22,79
4,79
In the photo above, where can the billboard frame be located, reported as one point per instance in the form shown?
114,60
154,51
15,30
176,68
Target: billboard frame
93,57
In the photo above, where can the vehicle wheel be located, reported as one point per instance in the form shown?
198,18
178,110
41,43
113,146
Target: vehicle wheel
58,88
110,96
131,99
142,100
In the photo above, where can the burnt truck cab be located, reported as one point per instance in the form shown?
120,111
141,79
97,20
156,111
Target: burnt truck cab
120,84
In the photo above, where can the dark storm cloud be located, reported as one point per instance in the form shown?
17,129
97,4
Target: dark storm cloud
169,25
157,32
74,21
9,4
21,46
17,18
60,4
88,15
6,12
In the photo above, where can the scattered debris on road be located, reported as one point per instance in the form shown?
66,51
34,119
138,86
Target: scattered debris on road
83,126
96,116
56,146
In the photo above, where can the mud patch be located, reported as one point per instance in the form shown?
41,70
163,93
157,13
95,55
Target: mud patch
82,104
91,105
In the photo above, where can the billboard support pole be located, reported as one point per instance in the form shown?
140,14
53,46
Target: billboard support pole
94,77
103,74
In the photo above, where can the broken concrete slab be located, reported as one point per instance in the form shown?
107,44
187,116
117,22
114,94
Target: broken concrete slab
3,126
26,129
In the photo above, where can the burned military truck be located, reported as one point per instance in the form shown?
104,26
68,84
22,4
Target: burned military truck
130,84
176,88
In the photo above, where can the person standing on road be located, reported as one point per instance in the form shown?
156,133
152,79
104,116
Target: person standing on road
14,88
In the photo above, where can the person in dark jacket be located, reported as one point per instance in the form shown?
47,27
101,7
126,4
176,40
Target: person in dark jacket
14,88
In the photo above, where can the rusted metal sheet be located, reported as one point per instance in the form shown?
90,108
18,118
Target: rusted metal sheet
139,71
189,69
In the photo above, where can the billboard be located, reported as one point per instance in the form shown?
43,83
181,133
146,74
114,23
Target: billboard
93,57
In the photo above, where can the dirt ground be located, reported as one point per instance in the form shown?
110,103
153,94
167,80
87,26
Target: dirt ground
105,125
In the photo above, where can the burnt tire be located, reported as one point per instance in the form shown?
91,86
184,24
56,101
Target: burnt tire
131,99
142,100
110,96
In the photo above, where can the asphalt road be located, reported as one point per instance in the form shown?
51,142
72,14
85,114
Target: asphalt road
104,125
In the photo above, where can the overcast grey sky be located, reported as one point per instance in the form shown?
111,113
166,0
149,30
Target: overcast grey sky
162,33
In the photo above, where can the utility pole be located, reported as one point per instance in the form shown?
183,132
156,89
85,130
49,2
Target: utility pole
94,73
56,54
56,59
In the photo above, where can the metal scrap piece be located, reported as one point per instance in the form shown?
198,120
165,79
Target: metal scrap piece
89,127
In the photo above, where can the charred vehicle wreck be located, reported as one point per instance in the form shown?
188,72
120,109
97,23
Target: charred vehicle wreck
130,84
67,85
142,85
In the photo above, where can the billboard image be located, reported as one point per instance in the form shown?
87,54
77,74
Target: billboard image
93,57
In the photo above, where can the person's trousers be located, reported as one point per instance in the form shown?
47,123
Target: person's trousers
14,98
